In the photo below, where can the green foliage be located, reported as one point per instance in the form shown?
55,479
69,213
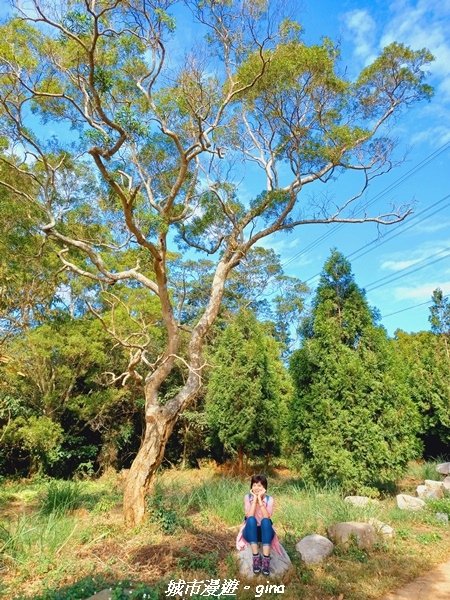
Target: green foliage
61,497
247,382
166,512
442,505
440,313
39,437
425,367
207,562
352,421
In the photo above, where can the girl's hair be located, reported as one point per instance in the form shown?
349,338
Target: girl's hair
259,479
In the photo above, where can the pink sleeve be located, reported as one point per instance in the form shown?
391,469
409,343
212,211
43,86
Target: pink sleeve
270,506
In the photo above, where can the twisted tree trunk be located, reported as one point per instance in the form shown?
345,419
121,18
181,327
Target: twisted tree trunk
160,419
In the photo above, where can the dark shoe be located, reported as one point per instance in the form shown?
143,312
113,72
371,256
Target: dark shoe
256,564
266,565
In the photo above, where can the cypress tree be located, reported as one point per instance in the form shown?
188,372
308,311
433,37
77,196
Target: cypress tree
244,400
351,420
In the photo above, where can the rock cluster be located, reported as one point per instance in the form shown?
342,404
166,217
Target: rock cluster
430,489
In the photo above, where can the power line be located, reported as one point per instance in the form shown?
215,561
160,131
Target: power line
388,237
409,270
411,307
410,273
390,188
395,233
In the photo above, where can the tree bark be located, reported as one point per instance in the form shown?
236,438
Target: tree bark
160,420
159,425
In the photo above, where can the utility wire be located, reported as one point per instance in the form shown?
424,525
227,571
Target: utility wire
413,264
390,188
375,287
411,307
369,247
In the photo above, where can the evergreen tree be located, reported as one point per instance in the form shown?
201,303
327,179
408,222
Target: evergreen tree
246,390
426,371
351,419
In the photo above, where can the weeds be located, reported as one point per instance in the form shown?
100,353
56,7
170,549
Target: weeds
61,497
162,510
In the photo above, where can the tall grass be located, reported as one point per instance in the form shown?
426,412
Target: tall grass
61,497
223,497
29,539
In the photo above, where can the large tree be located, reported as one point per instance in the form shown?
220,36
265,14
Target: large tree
247,391
352,420
153,147
426,371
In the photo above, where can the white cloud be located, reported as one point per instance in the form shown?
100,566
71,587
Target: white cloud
426,250
421,292
361,27
398,265
423,24
432,227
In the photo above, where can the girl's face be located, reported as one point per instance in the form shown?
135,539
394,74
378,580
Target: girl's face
258,488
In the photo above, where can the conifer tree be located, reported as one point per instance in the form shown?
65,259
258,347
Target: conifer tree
245,397
351,420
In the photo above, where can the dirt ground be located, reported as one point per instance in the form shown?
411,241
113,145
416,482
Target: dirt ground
435,585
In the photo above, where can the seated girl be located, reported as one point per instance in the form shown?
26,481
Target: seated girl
257,526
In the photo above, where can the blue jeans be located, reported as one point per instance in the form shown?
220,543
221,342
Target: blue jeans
254,533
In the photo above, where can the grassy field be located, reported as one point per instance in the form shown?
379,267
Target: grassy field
66,540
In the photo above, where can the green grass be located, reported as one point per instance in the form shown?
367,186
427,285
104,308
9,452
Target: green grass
61,497
193,519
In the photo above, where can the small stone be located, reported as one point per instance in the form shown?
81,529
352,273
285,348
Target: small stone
384,530
443,517
343,534
405,502
359,500
314,548
443,468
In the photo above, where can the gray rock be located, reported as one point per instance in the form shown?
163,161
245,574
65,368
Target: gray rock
383,530
443,517
279,564
434,485
343,533
446,483
426,491
314,548
443,468
405,502
359,500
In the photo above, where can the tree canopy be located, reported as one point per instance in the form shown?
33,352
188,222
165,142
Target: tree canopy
151,149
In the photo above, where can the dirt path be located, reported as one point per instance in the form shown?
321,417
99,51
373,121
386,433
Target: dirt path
435,585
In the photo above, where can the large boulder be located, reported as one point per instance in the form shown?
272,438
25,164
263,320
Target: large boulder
446,483
343,534
314,548
405,502
431,489
443,468
279,564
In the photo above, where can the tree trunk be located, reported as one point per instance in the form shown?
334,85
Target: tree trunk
159,425
160,420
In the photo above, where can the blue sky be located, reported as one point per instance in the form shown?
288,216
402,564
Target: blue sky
410,260
401,268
